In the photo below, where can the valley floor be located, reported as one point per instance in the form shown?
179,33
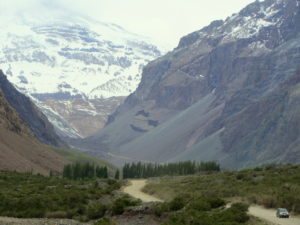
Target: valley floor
136,186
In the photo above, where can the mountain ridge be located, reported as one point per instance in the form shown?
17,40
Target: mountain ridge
218,73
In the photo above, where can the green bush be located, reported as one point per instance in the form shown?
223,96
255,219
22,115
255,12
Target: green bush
191,217
236,213
161,208
120,204
177,204
96,211
118,207
104,221
206,211
216,202
57,214
199,204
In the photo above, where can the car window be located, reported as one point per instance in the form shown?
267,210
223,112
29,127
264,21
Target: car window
282,210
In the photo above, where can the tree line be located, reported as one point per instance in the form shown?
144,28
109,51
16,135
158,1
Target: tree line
144,170
84,170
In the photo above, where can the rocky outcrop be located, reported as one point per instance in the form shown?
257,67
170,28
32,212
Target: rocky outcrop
34,119
79,117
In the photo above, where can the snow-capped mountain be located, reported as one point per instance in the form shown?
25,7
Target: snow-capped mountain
55,54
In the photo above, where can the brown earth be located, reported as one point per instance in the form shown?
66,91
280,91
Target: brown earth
19,149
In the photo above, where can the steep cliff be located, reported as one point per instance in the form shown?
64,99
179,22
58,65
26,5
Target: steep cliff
228,92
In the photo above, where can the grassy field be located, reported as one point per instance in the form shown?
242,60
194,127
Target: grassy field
271,187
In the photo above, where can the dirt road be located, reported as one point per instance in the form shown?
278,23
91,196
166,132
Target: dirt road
135,189
270,216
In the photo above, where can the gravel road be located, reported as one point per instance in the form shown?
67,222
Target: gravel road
135,189
270,216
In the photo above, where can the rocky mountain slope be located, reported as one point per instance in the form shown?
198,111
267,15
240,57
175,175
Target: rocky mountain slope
23,131
72,60
34,119
19,149
228,92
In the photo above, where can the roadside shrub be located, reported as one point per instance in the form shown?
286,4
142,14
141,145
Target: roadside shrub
236,213
177,204
240,207
190,217
216,202
96,211
118,207
30,213
199,205
104,221
161,208
205,204
267,201
240,176
57,214
120,204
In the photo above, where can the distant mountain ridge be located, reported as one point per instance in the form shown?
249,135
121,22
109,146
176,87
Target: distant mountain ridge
227,93
73,60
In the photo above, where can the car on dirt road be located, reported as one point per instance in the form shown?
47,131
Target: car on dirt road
282,213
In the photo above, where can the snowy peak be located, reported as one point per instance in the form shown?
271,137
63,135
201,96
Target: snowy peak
89,57
256,22
65,60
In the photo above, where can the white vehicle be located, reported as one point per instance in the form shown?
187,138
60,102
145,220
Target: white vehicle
282,213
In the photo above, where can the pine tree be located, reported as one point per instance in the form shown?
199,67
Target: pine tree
117,175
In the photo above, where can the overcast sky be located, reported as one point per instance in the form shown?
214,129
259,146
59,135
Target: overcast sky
165,21
162,20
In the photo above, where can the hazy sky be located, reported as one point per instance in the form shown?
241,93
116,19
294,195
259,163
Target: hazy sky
164,21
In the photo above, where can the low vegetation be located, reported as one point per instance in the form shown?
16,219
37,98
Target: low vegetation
185,210
35,196
269,186
145,170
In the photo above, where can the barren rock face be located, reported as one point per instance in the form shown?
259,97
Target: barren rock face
228,93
